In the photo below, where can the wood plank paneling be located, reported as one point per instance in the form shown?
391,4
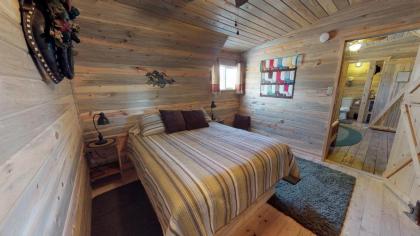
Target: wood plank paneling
328,6
302,121
115,55
41,143
358,76
302,10
385,94
257,21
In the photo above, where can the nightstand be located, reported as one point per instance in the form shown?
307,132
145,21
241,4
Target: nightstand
104,160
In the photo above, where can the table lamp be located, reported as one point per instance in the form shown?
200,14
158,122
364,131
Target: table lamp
102,120
213,105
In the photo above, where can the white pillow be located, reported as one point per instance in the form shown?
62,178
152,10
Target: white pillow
206,116
151,124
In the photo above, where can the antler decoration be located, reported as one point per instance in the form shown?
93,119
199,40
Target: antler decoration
158,79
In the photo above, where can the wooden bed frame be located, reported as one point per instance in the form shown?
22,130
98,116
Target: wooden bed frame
239,220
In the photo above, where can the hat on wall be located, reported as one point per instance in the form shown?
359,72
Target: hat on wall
49,31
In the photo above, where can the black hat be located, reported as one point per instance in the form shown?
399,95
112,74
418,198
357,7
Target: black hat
49,31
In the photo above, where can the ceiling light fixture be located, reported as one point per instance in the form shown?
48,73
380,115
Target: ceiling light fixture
355,47
358,64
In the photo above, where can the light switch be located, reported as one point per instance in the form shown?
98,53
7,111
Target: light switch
330,90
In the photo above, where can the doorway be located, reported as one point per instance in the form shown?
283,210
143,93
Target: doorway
369,93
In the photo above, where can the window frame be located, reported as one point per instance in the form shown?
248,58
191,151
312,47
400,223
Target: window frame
220,80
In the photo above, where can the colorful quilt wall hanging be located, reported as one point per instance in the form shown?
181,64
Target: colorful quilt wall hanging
278,76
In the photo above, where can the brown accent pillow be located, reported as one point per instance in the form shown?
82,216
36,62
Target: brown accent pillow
242,122
173,121
195,119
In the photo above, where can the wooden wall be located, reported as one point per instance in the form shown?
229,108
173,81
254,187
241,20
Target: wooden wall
42,170
357,76
302,121
388,87
120,45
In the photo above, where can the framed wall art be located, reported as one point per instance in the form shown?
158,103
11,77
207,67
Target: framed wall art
278,76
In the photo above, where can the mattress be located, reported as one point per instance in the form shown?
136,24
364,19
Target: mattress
199,180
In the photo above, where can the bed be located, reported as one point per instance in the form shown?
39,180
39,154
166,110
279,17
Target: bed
200,181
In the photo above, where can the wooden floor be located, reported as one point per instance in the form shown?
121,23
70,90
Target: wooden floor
270,221
370,155
374,211
129,176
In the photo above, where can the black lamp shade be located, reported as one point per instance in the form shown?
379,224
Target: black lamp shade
102,120
213,105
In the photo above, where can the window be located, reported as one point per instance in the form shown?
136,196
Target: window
228,77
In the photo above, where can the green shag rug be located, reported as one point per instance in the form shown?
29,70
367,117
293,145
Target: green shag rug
347,136
319,201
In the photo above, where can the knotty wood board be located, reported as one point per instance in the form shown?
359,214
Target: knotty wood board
404,181
41,144
258,21
115,55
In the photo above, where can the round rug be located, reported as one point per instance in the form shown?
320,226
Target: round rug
347,136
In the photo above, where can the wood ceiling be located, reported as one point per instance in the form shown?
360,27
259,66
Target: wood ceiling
257,21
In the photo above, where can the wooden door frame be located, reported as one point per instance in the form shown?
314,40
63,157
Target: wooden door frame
366,92
337,77
334,97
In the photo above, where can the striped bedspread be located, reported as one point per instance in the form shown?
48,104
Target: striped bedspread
199,180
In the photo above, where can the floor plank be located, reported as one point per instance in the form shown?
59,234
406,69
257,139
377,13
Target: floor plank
371,219
128,177
360,157
371,154
374,210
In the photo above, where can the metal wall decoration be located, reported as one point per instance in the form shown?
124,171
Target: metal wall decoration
49,31
160,79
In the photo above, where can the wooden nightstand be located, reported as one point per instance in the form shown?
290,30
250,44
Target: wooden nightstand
104,160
